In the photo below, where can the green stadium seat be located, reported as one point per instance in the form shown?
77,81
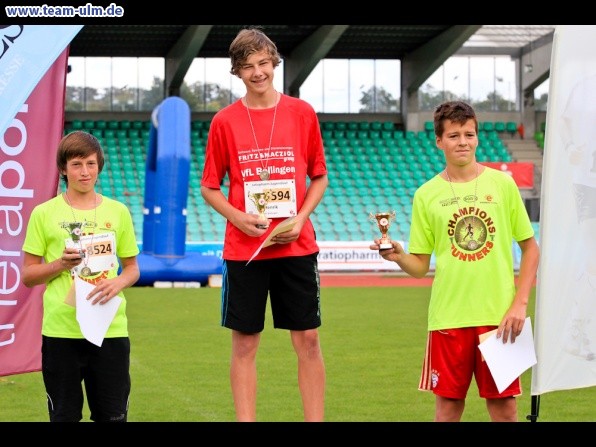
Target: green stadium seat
489,151
497,144
110,142
511,128
410,183
76,125
398,135
492,135
361,159
101,124
379,144
135,143
387,134
500,126
506,157
342,143
539,138
351,134
374,134
366,143
88,124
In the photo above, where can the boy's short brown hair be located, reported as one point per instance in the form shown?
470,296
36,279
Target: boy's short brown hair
247,42
78,144
455,111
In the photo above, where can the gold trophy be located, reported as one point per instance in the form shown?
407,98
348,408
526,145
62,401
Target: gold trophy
260,200
383,221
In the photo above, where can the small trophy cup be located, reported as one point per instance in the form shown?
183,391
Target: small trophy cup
383,221
260,200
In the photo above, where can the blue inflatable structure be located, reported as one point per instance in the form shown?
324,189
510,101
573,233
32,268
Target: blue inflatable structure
163,256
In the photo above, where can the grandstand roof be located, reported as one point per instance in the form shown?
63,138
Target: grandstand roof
347,41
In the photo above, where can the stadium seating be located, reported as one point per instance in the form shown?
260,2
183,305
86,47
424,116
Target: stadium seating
372,167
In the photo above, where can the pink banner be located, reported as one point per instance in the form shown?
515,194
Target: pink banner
522,172
28,176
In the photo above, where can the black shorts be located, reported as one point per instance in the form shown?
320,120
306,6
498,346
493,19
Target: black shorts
292,284
67,363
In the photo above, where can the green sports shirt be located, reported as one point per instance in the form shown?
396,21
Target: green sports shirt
470,227
51,223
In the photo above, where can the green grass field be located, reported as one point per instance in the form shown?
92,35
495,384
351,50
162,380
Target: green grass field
373,342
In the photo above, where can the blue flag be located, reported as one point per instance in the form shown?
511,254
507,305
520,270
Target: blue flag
26,53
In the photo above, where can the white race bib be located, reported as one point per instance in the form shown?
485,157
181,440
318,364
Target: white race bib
279,194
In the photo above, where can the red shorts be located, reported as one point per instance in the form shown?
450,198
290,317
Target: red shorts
452,357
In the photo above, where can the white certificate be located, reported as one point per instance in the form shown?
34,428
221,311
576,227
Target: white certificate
507,361
94,319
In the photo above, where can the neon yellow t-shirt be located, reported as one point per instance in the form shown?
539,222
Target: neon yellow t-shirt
50,224
474,277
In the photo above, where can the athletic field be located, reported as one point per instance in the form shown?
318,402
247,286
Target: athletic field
373,338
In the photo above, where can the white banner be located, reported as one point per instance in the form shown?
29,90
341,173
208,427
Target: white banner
341,256
565,319
352,255
26,53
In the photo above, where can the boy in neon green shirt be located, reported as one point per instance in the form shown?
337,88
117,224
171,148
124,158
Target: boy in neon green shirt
82,234
468,215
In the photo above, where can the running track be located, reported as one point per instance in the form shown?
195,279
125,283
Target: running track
355,279
372,280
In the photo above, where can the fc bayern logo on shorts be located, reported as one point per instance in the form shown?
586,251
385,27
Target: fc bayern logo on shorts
434,377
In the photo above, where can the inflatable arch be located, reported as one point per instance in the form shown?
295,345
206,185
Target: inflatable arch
163,256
